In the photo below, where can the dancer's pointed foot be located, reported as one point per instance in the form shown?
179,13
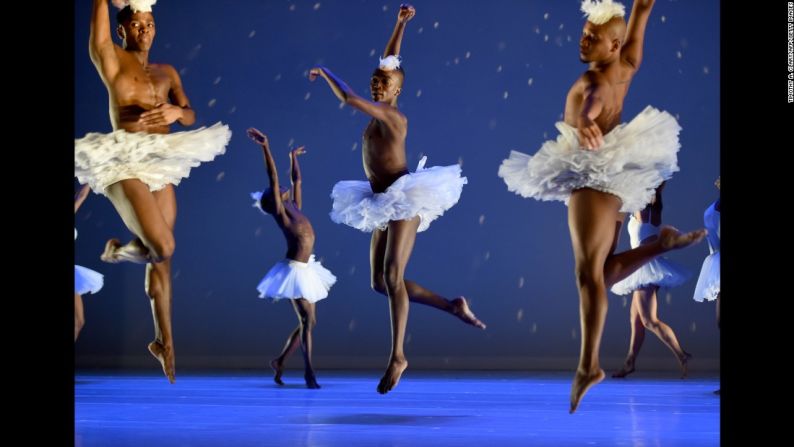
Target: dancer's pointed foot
582,382
392,375
164,355
278,370
460,308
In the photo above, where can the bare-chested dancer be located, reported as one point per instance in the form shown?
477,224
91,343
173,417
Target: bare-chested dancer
394,204
602,169
138,165
298,278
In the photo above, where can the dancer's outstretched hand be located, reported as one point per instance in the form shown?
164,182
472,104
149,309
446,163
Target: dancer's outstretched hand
258,137
314,72
407,12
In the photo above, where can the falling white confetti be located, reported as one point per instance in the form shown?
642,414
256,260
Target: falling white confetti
679,55
341,105
529,82
468,54
216,81
487,255
351,326
520,315
355,146
233,109
492,124
307,96
419,93
176,275
664,19
292,7
352,270
482,219
534,328
537,29
211,103
291,142
183,71
521,282
568,38
278,77
252,33
317,6
194,52
545,37
371,52
504,95
220,176
385,8
561,26
258,231
501,46
435,25
499,69
456,60
705,70
546,16
693,327
419,31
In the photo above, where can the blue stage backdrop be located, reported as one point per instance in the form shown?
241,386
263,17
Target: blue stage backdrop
481,79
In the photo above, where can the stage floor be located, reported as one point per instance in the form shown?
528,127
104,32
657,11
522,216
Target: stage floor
444,408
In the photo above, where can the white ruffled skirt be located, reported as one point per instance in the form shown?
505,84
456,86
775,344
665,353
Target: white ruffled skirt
636,158
427,193
156,159
87,280
708,286
659,272
292,279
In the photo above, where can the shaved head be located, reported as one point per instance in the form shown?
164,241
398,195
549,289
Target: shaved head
615,28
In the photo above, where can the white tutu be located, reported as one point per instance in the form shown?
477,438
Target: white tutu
659,271
293,279
86,280
636,158
708,286
426,193
156,159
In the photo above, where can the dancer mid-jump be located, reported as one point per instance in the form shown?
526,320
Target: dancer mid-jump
394,204
138,165
602,169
